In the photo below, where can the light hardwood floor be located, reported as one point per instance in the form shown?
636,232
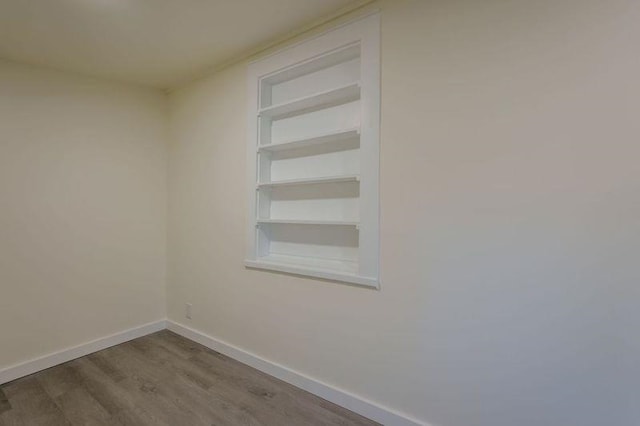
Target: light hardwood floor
162,379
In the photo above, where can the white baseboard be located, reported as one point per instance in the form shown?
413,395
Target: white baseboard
42,363
340,397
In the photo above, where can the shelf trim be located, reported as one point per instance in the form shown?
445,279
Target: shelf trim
338,136
348,261
309,181
313,272
307,222
337,96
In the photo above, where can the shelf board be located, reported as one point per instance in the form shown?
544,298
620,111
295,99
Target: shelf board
337,96
294,71
310,181
334,265
307,222
334,270
342,135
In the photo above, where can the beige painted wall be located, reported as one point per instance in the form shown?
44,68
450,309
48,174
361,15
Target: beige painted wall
509,186
82,210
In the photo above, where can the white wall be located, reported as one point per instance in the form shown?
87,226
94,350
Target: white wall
82,210
509,185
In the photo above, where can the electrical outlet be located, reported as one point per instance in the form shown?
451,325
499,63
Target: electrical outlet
187,311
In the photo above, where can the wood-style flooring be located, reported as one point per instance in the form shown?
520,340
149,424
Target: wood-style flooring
162,379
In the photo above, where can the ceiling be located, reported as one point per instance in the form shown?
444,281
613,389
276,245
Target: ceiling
159,43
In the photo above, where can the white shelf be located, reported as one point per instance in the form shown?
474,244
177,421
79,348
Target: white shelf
320,268
309,161
310,181
307,222
342,135
337,96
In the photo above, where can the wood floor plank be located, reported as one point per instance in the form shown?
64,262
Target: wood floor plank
216,409
273,394
59,380
149,385
11,418
31,405
164,358
5,405
251,409
81,409
112,397
100,359
270,394
186,388
163,380
176,344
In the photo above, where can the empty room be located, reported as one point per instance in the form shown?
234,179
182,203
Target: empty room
320,212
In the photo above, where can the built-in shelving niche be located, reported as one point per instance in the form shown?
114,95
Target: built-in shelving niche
306,153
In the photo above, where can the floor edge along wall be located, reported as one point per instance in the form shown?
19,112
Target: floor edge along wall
332,394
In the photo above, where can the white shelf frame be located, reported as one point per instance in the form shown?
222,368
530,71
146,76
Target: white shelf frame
363,37
312,272
337,96
307,222
310,181
339,136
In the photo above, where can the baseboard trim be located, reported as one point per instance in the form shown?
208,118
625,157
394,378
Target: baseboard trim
340,397
47,361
